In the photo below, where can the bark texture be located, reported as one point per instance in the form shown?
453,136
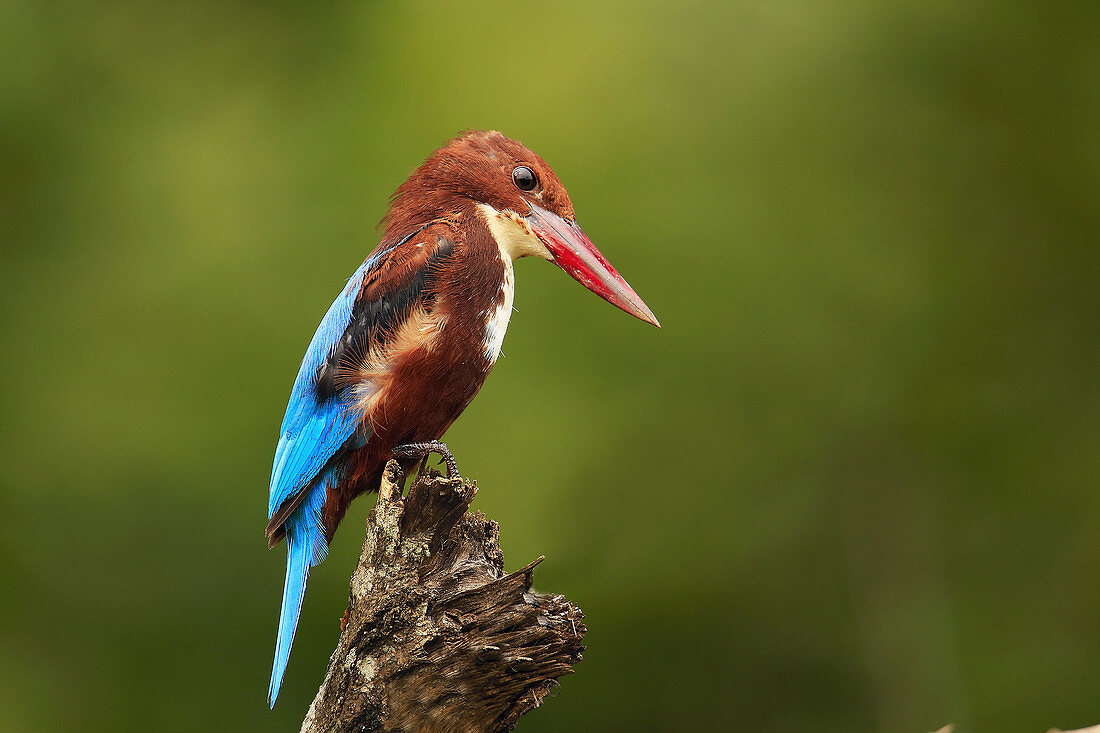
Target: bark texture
437,636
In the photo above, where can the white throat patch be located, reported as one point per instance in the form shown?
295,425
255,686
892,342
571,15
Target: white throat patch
512,234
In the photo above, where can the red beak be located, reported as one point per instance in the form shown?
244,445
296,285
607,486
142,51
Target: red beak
574,252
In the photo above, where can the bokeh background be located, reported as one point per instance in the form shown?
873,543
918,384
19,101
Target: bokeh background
851,485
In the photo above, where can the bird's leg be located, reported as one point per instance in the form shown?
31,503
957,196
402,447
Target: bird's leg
421,450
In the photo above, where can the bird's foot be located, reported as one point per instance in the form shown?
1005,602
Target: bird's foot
421,450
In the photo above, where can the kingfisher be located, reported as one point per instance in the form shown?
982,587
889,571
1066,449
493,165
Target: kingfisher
409,341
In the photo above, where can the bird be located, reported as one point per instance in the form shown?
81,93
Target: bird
408,342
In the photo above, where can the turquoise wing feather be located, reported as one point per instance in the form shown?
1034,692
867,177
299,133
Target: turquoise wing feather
314,431
320,422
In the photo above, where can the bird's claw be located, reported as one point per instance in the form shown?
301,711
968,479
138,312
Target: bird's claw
421,450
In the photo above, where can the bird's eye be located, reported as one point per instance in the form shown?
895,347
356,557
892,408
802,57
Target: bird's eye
524,178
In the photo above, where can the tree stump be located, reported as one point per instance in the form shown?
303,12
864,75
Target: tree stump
437,637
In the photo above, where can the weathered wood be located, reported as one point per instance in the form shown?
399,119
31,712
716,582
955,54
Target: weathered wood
437,637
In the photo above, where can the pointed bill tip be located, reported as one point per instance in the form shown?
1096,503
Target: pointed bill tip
642,312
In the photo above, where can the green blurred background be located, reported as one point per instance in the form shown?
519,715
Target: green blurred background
851,485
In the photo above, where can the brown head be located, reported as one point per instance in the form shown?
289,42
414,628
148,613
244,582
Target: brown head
487,177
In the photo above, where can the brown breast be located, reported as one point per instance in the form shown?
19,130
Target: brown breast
419,381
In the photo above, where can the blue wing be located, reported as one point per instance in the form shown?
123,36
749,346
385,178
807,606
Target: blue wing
313,431
320,422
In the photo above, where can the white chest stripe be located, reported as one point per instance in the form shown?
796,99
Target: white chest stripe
497,322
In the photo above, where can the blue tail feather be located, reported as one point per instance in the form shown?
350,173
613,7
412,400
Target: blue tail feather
306,547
